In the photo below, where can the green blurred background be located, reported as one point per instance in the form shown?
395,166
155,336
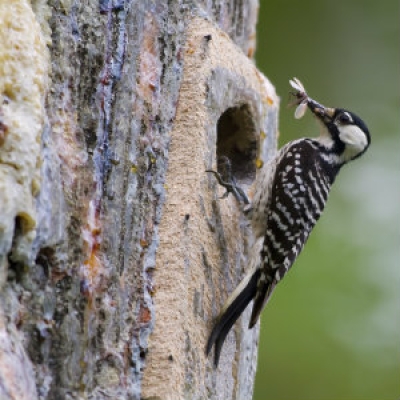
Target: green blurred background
332,328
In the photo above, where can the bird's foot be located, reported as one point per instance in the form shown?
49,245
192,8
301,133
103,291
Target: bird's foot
228,181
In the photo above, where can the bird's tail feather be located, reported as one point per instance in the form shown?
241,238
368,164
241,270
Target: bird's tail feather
264,292
232,310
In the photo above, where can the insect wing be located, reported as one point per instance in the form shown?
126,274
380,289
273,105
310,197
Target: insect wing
300,110
297,85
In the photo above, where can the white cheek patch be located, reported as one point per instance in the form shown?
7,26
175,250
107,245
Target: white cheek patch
353,136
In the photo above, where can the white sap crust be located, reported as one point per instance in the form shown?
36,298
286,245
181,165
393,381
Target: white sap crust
24,65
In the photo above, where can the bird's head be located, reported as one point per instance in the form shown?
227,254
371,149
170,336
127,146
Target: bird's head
344,135
342,131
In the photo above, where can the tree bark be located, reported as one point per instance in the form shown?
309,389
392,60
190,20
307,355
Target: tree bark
116,253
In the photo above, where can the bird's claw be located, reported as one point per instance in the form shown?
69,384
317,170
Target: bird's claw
230,187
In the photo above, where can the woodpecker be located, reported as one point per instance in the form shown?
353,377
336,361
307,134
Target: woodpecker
291,192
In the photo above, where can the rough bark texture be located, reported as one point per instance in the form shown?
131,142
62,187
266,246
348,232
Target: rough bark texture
115,251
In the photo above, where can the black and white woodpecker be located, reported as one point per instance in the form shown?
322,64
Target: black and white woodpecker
291,192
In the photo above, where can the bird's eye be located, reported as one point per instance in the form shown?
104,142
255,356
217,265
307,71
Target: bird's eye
344,118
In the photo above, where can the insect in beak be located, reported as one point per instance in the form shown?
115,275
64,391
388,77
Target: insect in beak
303,101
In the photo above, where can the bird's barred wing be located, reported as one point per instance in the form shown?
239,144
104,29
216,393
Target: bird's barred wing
298,196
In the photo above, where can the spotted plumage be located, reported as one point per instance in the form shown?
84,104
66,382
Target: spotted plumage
291,193
298,195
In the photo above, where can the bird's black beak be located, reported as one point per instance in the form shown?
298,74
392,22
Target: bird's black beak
324,114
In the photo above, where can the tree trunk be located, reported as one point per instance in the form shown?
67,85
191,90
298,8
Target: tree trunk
116,253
